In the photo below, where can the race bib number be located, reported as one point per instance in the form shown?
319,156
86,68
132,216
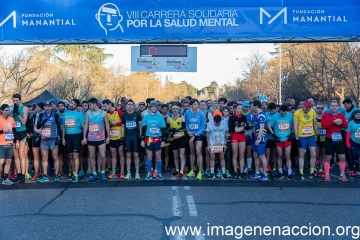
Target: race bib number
9,137
114,133
94,128
70,122
131,125
322,132
154,130
239,129
193,126
217,148
46,132
307,130
17,124
336,137
177,135
357,134
283,126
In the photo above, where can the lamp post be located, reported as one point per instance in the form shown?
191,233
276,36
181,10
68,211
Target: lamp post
280,78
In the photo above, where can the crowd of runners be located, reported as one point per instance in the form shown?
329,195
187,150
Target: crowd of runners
100,140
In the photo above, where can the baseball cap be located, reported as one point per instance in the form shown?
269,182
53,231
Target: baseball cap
307,104
246,104
141,103
47,103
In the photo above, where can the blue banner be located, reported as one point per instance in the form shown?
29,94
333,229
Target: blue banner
163,64
194,21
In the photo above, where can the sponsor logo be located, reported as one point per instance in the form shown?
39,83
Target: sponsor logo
109,17
282,11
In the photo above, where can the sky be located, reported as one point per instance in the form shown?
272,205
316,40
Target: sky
216,62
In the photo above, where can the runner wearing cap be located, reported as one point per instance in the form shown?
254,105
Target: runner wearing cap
304,126
7,138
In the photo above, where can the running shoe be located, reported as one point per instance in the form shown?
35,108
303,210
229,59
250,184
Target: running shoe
16,179
69,176
88,175
148,176
202,172
60,174
219,174
175,173
112,175
56,179
255,175
313,177
275,173
166,170
81,173
301,177
352,174
22,179
224,177
160,177
208,172
7,182
280,176
327,178
199,176
315,174
27,176
154,174
290,177
242,176
93,178
75,178
185,170
263,177
246,170
343,178
137,176
236,175
228,173
321,174
180,176
211,176
35,177
122,175
103,177
191,174
128,176
43,179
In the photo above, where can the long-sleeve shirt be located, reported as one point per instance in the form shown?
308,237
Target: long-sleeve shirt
327,122
195,122
237,124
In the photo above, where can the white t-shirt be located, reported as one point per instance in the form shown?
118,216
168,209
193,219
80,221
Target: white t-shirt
217,134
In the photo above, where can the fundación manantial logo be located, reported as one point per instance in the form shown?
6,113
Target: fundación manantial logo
109,17
282,11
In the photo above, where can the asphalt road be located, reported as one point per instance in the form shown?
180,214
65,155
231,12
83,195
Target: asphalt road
119,209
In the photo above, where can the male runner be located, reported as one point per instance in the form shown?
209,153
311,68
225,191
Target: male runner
320,140
49,122
62,149
333,122
164,113
20,115
7,138
116,138
131,131
153,139
72,134
96,124
195,126
216,137
304,125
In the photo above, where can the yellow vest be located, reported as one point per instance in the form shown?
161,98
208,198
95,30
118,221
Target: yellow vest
177,125
115,131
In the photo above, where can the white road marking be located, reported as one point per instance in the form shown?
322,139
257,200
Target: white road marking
176,206
187,188
191,205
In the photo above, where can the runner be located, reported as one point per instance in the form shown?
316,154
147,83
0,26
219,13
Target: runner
195,127
62,149
237,127
280,127
271,150
7,138
208,117
49,122
304,125
71,137
216,133
320,140
353,140
228,152
164,113
153,139
94,136
333,122
131,132
116,139
260,126
248,133
20,115
177,140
